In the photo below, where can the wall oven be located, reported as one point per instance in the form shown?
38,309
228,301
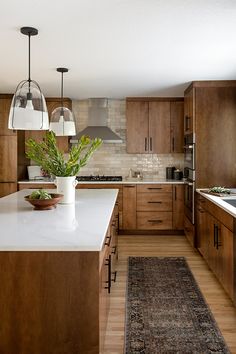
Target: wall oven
189,174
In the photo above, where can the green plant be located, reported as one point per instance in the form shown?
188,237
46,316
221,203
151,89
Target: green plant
40,194
54,162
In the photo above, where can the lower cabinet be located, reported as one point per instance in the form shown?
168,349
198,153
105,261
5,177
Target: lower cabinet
215,241
7,188
129,207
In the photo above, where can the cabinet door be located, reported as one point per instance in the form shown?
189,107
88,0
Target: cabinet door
225,258
5,104
137,127
213,261
104,299
189,112
159,127
8,158
177,126
178,207
129,207
7,188
202,232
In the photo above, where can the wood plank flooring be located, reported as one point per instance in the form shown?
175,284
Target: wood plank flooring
218,301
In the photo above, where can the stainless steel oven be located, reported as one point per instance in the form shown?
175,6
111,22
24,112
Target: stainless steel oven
189,151
189,189
189,174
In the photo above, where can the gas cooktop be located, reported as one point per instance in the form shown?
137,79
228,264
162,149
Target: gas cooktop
99,178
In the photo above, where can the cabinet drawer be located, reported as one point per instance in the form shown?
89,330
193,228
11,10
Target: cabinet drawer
154,220
154,201
150,188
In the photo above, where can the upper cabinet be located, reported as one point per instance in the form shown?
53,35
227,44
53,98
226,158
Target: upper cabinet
38,135
154,125
189,126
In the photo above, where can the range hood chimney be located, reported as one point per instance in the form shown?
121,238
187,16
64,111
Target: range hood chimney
97,123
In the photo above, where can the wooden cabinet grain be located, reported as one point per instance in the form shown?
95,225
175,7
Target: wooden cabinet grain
154,125
7,188
189,104
215,241
178,207
8,158
129,207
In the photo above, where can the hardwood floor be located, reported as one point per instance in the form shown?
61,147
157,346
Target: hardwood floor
218,301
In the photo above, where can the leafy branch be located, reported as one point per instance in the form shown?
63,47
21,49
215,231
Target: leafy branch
53,161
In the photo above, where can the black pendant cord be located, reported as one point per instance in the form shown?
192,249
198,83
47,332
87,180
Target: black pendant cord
62,84
29,79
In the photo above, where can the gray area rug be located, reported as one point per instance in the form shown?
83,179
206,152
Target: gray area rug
165,310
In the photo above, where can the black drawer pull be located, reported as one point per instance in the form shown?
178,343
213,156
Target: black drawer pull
152,202
108,281
129,186
114,250
107,243
114,276
156,221
154,188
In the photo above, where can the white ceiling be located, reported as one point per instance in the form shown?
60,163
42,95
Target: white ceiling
118,48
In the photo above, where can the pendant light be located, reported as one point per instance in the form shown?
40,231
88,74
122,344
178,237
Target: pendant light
62,119
28,108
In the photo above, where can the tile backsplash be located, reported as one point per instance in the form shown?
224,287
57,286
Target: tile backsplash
112,159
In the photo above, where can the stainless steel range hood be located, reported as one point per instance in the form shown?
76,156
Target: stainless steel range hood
97,123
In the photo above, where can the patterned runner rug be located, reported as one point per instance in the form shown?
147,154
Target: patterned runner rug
166,312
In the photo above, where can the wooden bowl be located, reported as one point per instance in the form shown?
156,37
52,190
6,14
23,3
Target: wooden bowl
45,204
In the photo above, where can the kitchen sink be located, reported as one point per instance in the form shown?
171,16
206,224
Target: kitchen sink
231,201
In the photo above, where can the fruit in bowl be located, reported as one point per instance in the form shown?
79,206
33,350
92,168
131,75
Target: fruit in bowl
42,200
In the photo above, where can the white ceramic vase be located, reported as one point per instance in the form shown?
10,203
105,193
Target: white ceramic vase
66,186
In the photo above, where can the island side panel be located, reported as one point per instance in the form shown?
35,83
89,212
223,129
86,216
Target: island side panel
49,302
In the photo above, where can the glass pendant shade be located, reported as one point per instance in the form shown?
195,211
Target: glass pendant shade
28,108
62,121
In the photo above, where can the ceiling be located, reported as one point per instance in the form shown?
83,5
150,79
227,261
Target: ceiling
118,48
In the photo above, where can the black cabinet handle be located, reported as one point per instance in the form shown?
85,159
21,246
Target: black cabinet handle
114,276
218,243
214,235
156,221
146,145
114,250
150,144
108,281
151,188
107,243
129,186
187,121
152,202
175,192
173,144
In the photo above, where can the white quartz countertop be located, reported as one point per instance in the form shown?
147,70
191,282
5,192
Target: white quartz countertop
220,202
149,180
73,227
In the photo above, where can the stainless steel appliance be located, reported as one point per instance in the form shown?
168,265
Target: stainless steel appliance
189,174
99,178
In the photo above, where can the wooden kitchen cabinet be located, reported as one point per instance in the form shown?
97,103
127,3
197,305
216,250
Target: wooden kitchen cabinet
177,127
159,127
137,127
154,125
178,207
7,188
215,241
8,158
189,104
62,141
154,207
5,104
129,207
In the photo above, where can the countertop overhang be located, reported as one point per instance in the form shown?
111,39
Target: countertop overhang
69,227
220,202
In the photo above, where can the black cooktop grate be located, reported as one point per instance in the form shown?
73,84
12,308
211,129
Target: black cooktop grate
99,178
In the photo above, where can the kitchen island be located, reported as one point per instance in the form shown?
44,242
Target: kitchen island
56,270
